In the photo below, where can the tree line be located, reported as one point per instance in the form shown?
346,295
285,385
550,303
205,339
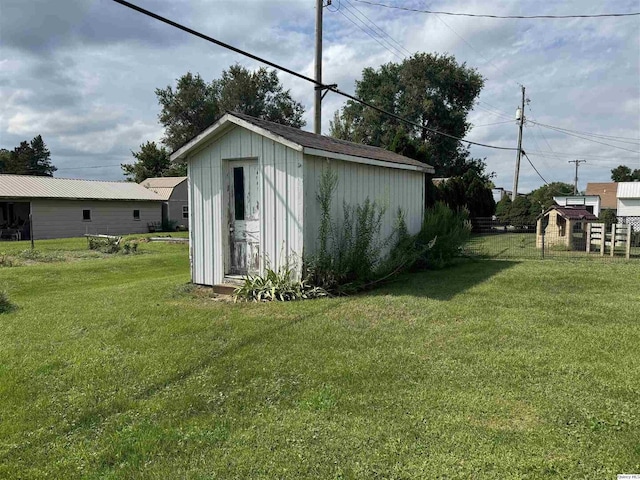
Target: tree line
428,89
28,158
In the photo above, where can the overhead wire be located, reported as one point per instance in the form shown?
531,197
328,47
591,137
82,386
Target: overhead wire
482,15
377,27
534,167
397,53
331,88
628,140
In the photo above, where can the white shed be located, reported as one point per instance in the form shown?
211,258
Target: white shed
253,188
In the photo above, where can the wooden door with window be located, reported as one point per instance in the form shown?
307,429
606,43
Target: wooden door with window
244,217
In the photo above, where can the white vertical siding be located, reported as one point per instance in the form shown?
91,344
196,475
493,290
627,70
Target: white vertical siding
281,207
179,198
388,187
53,218
628,207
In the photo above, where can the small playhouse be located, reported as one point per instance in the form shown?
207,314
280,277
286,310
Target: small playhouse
253,193
565,226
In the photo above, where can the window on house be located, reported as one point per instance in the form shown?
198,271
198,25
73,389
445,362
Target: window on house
185,211
86,215
238,192
136,214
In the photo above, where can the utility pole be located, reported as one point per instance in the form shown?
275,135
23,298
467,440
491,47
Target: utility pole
317,109
575,180
520,118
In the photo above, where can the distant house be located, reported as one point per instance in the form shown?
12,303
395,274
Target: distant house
253,188
564,226
63,207
591,203
628,204
606,191
175,196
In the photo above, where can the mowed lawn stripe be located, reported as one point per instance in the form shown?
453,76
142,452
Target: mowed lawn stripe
486,370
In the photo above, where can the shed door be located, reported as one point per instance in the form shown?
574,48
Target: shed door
244,215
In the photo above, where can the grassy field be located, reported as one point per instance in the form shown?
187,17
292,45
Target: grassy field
113,367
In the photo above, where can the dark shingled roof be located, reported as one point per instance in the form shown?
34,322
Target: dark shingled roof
320,142
573,213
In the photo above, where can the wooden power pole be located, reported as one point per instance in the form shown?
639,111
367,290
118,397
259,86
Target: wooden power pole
575,179
514,194
317,109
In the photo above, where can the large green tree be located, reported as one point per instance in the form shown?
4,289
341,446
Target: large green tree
430,90
542,198
28,158
194,104
471,191
622,173
152,161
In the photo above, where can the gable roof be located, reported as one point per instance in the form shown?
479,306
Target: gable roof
307,142
606,191
163,186
28,186
629,190
573,213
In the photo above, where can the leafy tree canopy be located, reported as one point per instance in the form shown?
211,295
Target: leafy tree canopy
429,89
152,161
542,198
195,104
470,191
622,173
28,158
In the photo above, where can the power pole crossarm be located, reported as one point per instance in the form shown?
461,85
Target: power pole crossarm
575,179
519,153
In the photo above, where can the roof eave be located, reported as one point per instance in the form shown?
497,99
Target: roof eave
222,125
367,161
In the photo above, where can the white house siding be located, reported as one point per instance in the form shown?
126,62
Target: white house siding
281,202
53,218
628,207
391,188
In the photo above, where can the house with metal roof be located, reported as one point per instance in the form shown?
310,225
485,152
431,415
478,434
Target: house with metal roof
174,193
62,207
253,193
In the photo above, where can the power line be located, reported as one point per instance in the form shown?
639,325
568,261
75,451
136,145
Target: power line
633,141
586,138
553,17
299,75
533,166
395,52
384,34
91,166
494,123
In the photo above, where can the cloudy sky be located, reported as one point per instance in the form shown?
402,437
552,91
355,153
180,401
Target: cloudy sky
82,73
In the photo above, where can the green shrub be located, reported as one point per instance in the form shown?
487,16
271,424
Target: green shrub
280,285
105,244
5,304
130,247
6,260
169,225
445,231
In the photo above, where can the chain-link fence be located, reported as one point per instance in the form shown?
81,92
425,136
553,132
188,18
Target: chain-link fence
493,239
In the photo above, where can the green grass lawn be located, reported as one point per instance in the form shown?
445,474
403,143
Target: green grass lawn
112,367
522,246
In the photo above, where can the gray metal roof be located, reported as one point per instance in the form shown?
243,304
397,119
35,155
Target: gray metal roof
28,186
306,140
629,190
